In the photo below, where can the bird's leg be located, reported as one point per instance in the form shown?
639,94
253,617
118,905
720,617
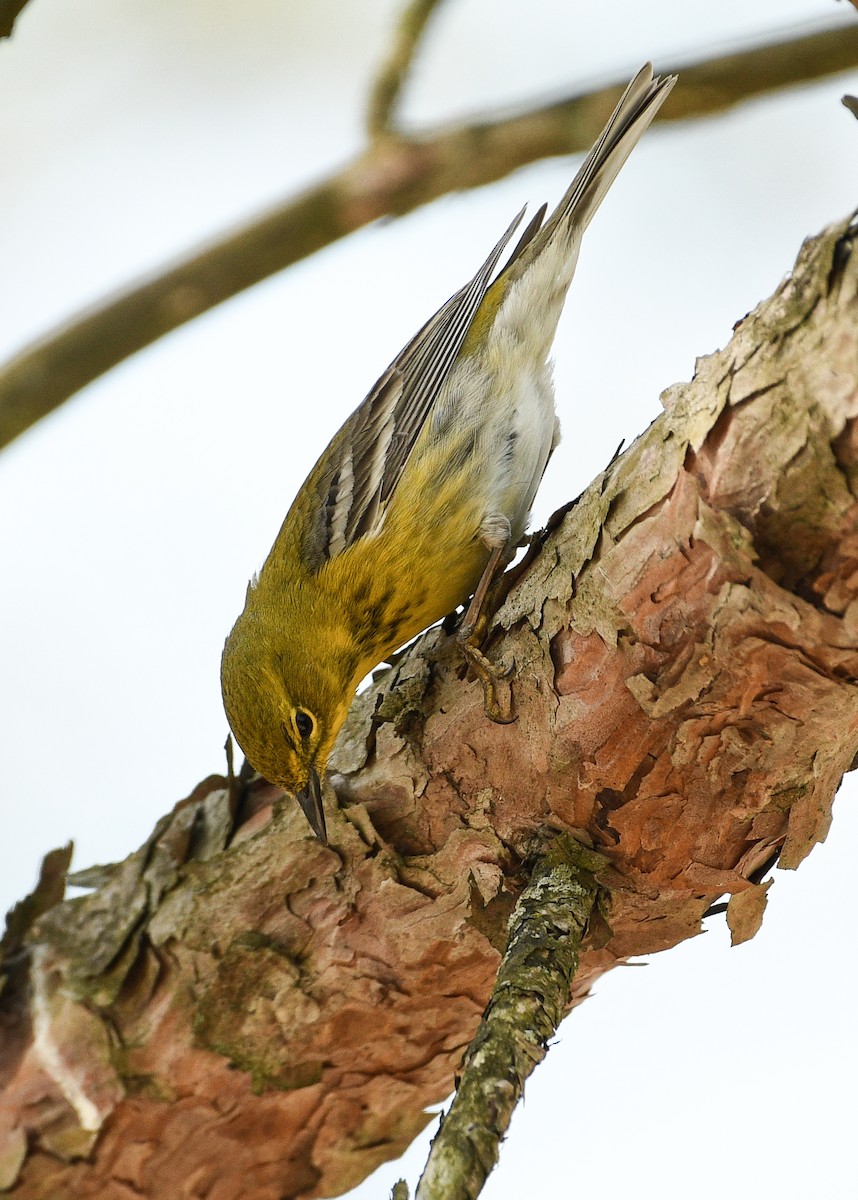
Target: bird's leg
470,631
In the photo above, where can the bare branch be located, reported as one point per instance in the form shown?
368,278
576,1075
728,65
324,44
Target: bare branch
394,71
393,177
716,85
9,11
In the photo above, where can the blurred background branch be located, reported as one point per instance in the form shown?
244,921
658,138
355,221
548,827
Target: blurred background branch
393,176
393,73
9,10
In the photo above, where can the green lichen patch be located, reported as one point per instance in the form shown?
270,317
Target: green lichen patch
250,1011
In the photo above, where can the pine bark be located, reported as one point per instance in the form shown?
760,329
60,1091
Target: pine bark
237,1011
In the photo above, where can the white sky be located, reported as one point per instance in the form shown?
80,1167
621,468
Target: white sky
133,129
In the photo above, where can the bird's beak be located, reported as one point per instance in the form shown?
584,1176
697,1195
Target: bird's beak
310,799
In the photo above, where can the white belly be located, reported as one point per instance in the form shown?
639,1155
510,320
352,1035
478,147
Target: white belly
505,394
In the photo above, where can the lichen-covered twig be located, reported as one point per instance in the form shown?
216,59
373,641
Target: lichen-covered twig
392,177
393,73
526,1006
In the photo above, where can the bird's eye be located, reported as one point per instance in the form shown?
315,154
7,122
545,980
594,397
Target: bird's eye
304,723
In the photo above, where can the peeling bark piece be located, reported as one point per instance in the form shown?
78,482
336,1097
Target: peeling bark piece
745,912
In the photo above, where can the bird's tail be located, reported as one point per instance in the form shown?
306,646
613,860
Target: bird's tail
635,111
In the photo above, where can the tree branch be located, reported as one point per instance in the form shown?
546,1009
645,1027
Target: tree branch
392,177
528,1001
392,76
9,13
237,1001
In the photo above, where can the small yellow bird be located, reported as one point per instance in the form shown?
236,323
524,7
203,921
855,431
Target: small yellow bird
422,495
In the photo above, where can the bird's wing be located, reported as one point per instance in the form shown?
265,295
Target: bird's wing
369,454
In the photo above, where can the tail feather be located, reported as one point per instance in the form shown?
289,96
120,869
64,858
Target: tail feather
635,111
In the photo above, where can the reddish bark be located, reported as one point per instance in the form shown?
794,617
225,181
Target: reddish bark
241,1012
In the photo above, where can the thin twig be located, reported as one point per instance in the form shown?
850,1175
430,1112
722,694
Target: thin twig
527,1004
393,177
394,70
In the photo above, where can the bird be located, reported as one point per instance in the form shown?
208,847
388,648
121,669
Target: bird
421,497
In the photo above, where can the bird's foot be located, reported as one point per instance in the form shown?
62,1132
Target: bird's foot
489,675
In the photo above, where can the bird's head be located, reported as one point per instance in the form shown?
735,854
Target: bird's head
284,710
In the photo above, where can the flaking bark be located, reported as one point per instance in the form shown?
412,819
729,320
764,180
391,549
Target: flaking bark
238,1011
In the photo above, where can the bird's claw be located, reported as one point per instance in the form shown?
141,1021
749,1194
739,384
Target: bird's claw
489,674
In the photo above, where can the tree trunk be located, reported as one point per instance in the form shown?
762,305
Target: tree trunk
239,1012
